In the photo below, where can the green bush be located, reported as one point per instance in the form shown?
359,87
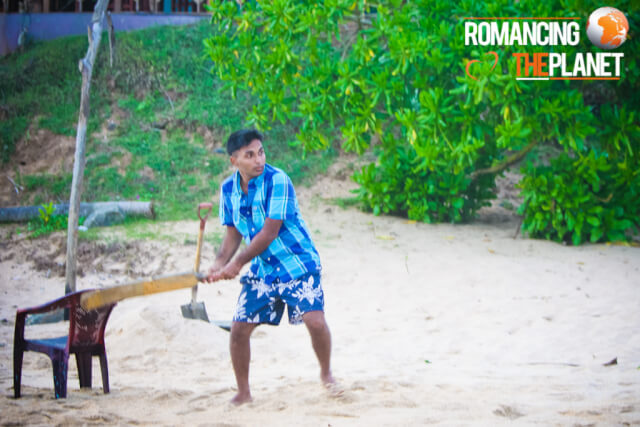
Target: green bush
583,199
393,79
394,186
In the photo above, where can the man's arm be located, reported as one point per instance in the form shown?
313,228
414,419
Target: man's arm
258,244
230,244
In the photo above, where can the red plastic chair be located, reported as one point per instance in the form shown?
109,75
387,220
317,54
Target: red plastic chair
85,339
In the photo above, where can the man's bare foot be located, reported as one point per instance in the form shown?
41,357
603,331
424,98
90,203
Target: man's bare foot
241,398
332,386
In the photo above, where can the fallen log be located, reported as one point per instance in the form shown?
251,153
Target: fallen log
25,213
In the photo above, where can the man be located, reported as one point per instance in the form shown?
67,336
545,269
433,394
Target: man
258,203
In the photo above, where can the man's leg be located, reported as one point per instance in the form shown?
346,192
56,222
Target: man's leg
321,341
240,357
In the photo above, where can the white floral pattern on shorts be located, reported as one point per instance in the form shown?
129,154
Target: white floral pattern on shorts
260,302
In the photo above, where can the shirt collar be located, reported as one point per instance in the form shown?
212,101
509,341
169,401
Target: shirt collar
254,182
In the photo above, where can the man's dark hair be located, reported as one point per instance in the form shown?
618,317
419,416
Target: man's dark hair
242,138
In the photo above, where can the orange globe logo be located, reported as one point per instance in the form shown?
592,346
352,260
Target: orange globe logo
607,28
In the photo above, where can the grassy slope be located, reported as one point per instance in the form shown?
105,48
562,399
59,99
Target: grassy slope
161,76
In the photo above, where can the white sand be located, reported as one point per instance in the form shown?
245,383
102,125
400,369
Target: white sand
432,324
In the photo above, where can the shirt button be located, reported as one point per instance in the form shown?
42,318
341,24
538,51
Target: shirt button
253,229
277,268
268,258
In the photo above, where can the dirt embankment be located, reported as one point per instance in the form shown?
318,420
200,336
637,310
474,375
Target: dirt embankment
47,256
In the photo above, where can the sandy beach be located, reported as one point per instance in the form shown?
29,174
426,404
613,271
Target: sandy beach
431,324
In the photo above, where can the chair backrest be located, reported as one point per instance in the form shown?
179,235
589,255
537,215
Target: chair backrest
86,328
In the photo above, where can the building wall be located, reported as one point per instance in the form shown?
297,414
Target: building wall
47,26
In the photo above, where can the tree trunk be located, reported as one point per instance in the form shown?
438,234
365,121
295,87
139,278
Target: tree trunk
86,68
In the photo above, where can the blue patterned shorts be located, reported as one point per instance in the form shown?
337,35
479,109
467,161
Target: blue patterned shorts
260,302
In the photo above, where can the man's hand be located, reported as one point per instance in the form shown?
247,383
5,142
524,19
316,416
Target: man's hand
212,271
229,271
230,243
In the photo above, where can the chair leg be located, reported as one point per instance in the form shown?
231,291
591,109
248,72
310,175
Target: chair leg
60,368
83,361
105,371
18,354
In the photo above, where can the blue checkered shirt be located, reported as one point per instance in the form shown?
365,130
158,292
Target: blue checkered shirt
270,195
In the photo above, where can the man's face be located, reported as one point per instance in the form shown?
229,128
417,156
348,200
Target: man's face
249,160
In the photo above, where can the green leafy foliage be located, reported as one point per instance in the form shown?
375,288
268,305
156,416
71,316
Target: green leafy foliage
47,222
45,212
37,227
579,200
392,78
393,186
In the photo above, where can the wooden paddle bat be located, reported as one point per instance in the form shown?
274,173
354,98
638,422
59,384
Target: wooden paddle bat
100,297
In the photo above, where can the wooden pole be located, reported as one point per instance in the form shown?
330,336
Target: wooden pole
112,40
86,68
